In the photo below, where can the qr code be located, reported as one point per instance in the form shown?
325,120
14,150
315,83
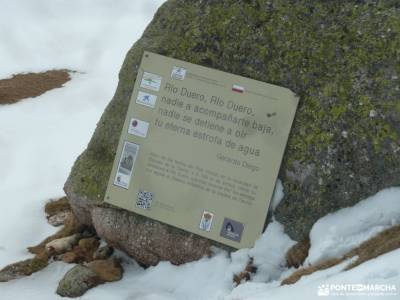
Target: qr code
144,199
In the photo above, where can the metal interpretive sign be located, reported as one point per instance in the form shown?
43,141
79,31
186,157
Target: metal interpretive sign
201,149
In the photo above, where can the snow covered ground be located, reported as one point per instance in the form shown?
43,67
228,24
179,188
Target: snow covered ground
41,137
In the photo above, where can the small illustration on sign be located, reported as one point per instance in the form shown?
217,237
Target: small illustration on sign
232,230
178,73
126,164
206,221
146,99
138,127
151,81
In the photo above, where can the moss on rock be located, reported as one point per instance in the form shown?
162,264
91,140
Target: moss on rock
341,58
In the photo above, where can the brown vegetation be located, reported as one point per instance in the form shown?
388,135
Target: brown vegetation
56,206
23,268
298,253
309,270
246,274
57,211
71,227
382,243
23,86
41,258
386,241
73,243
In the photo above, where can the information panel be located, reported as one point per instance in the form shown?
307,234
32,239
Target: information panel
201,149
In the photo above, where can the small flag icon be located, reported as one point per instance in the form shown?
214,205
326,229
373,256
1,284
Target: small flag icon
237,88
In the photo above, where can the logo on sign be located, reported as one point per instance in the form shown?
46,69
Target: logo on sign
146,99
151,81
138,127
178,73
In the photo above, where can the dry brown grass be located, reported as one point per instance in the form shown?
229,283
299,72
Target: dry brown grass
56,206
23,268
70,227
246,274
298,253
386,241
23,86
382,243
41,258
309,270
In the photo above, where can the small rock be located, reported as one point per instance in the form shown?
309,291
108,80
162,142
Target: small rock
107,270
103,252
77,281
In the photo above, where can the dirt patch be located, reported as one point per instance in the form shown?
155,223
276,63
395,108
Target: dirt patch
386,241
23,86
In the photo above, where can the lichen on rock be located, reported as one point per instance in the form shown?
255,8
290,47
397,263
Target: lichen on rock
341,58
77,281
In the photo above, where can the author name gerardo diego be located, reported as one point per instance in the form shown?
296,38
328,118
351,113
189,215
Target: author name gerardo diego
237,162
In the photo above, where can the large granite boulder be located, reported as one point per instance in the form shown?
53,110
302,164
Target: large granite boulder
341,57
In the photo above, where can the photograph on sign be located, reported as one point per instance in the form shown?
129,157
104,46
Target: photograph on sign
126,164
211,145
206,220
232,229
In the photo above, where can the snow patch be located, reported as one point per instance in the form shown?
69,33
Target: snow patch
278,195
40,138
269,253
339,232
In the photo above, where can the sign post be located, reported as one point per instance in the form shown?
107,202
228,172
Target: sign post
201,149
